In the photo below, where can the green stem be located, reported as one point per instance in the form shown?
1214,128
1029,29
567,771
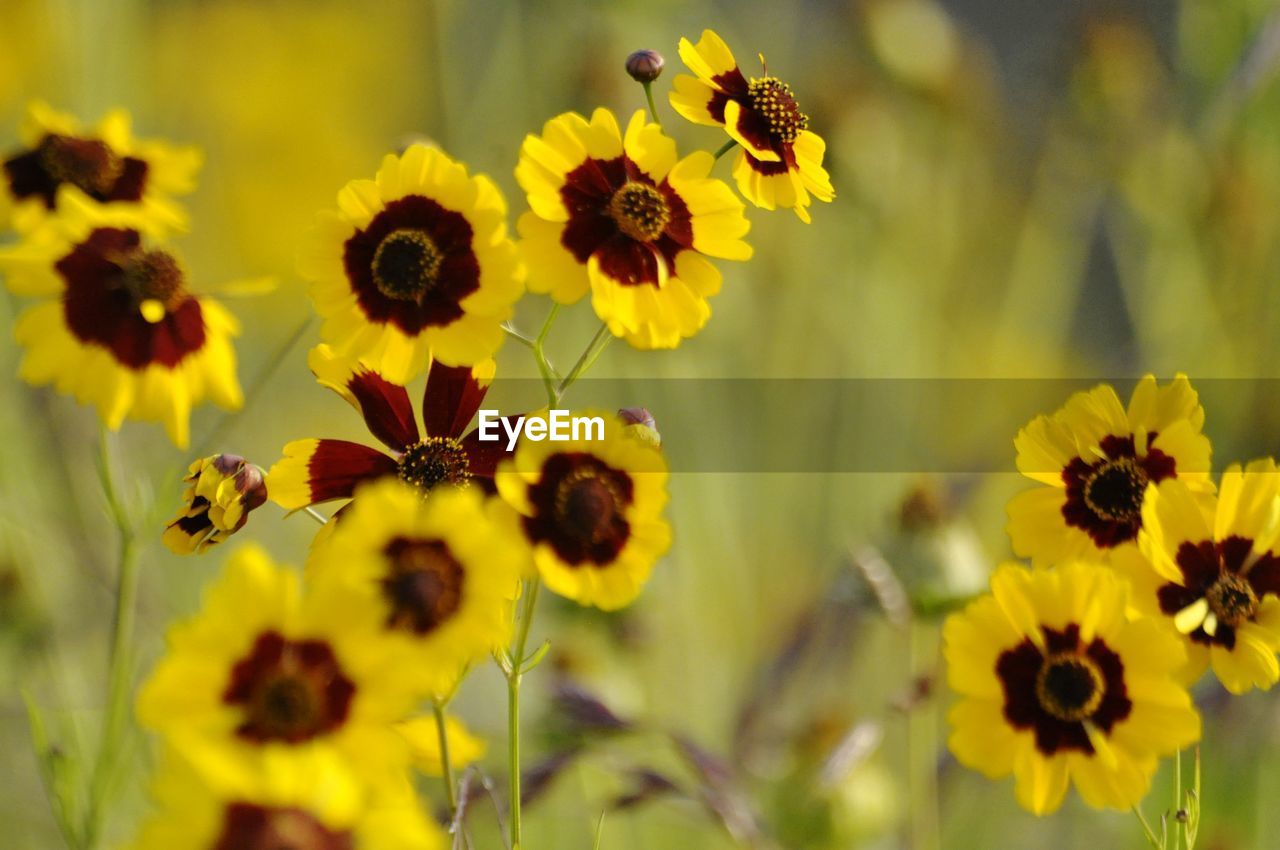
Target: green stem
1180,831
540,355
589,356
725,148
1152,838
515,673
446,765
653,109
518,337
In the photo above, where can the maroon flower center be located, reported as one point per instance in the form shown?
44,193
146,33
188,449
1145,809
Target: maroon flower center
1232,600
1069,686
580,509
247,826
1104,496
289,690
434,461
586,505
406,264
1113,490
89,164
154,276
640,211
423,585
773,101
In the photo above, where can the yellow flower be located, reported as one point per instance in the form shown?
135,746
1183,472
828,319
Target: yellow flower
105,164
263,667
435,576
221,491
780,164
621,217
591,511
424,744
1056,686
1096,460
1211,572
415,262
118,327
304,801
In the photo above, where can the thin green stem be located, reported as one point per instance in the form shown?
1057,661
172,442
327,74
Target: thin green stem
589,356
653,109
540,355
515,672
446,765
1146,828
725,148
517,336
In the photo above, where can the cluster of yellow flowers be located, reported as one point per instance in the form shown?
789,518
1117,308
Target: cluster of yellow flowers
288,706
1144,574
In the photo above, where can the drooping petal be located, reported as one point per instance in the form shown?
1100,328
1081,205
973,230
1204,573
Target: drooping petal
314,471
384,405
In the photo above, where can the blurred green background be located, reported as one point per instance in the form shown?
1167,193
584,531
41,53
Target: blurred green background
1025,190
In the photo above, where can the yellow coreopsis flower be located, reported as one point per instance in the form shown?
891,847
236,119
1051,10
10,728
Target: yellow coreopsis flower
415,263
620,217
591,510
1058,687
105,164
780,164
1212,573
119,326
1096,458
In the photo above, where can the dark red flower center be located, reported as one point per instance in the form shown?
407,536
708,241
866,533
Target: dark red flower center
89,164
423,585
433,461
154,276
773,100
1104,496
406,264
1230,577
586,505
1113,490
579,508
1232,600
248,826
1069,686
289,690
640,211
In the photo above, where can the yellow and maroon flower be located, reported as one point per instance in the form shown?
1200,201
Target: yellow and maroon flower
416,264
314,471
119,327
221,491
103,165
620,217
781,160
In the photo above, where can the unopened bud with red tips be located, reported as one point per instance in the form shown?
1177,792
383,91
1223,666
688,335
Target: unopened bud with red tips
221,492
645,66
639,424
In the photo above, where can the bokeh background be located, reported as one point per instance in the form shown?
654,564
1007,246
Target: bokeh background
1026,190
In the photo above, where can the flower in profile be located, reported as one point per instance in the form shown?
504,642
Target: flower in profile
105,164
435,577
1058,687
621,217
119,326
780,165
1096,460
263,666
416,263
423,735
591,512
280,799
314,471
1212,573
221,491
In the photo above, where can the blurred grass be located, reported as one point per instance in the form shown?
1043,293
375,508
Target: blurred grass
1112,214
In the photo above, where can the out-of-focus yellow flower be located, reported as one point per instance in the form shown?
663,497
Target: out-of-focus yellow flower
264,667
591,511
620,217
415,263
119,327
424,744
435,577
1096,460
780,164
1058,687
281,799
221,491
104,164
1212,573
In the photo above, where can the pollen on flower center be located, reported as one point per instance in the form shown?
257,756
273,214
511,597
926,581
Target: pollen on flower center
1070,686
89,164
154,276
1232,599
773,100
284,705
586,505
424,585
1114,489
435,460
640,211
406,264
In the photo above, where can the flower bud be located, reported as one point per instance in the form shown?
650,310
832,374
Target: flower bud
640,424
221,491
645,66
